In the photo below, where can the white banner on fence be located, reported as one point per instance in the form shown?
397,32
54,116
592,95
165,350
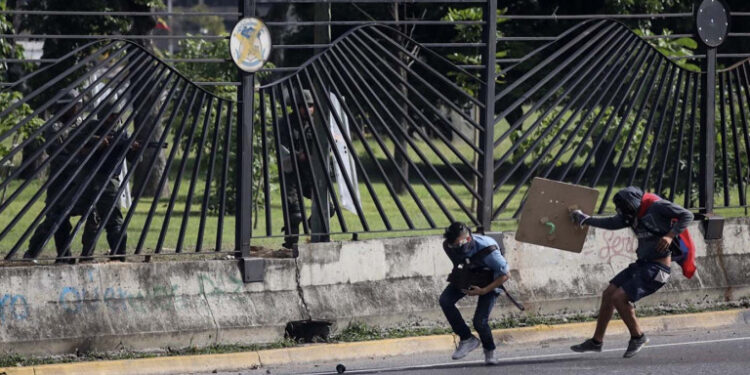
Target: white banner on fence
348,200
125,198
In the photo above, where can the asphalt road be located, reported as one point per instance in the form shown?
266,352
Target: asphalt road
724,351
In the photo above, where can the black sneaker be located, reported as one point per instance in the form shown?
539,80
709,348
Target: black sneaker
587,346
635,345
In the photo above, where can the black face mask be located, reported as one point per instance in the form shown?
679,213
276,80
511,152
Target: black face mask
629,219
625,209
463,248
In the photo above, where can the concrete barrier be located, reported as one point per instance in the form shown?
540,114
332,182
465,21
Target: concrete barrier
388,282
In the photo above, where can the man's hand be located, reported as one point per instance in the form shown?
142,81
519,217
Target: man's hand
664,243
475,291
579,218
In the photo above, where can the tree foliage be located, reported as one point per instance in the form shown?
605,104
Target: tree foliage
9,50
471,34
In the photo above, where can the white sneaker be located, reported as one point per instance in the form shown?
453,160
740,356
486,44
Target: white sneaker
465,347
489,357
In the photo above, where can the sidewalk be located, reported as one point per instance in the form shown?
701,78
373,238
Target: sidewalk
368,349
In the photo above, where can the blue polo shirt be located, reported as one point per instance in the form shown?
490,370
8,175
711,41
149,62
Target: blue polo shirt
493,261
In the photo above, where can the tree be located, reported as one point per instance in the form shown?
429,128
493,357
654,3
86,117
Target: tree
471,34
11,50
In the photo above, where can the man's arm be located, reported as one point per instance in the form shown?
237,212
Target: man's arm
606,222
499,266
672,211
476,291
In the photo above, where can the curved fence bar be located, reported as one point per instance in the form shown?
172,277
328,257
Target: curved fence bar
603,108
113,130
114,153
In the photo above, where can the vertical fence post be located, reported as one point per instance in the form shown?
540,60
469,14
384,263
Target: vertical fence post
487,116
712,26
244,167
320,225
708,132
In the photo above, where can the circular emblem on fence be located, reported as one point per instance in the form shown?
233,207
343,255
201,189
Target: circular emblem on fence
250,44
712,22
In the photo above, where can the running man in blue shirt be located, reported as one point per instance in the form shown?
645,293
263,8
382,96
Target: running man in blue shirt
479,269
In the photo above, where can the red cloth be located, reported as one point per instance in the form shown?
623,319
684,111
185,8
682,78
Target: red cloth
687,264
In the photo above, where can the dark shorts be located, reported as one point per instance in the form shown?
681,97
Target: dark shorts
641,279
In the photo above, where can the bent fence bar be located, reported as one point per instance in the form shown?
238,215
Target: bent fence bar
379,131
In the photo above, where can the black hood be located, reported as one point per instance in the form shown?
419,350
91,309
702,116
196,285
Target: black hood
628,200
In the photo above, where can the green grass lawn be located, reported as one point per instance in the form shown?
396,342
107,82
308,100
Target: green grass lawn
376,223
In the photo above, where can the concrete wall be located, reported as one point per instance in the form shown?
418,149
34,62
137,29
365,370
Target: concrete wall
393,282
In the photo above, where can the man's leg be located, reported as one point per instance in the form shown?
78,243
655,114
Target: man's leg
626,311
294,207
448,300
606,310
648,278
62,236
113,226
114,233
482,317
89,233
481,324
36,243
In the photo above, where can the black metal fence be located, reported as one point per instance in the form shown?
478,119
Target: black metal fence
131,107
378,130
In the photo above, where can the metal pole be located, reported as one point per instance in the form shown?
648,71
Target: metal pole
252,269
320,213
169,26
487,116
708,132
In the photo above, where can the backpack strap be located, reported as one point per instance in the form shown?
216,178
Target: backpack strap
481,254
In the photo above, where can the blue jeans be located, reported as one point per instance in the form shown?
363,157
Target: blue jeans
448,300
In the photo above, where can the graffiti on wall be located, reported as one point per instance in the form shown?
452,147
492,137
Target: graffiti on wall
77,299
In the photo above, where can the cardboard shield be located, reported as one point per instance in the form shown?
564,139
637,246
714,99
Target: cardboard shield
545,218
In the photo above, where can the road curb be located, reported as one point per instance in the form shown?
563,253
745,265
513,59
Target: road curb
373,349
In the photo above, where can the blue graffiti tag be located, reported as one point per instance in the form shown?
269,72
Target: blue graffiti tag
76,302
18,307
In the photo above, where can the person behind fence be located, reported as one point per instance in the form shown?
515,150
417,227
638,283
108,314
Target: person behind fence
62,161
656,224
299,133
479,269
106,180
